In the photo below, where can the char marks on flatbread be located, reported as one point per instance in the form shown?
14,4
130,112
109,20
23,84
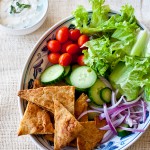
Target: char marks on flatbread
44,96
35,121
67,127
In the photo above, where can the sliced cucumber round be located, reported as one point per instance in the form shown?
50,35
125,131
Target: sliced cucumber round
83,77
52,74
94,92
105,94
67,70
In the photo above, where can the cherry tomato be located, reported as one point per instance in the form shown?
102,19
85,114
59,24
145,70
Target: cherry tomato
82,39
63,49
74,34
54,46
72,49
65,59
80,60
62,34
54,58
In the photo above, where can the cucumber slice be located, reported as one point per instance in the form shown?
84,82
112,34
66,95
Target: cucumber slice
67,70
52,74
105,94
94,92
83,77
123,133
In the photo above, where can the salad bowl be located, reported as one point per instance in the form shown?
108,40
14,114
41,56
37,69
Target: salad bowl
36,64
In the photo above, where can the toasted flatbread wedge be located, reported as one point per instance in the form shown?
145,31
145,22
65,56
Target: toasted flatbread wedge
89,137
100,123
49,137
81,106
35,121
67,127
44,96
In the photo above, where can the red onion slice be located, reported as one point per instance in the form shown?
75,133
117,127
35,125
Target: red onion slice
144,111
113,98
116,123
109,120
109,108
107,136
86,112
133,101
88,100
117,110
106,82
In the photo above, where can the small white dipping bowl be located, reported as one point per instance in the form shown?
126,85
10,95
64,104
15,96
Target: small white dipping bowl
29,29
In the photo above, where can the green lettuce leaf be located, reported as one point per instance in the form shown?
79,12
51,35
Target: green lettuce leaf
147,93
101,22
130,75
100,13
81,17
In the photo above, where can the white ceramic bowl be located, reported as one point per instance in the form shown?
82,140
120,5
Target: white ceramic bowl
29,29
36,63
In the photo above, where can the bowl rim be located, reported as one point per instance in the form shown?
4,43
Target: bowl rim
5,28
21,110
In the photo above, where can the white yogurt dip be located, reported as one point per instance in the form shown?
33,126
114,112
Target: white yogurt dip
15,15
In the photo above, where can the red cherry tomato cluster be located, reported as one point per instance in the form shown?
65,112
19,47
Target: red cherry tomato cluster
67,48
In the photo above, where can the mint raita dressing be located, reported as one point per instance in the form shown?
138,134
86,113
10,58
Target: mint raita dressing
19,14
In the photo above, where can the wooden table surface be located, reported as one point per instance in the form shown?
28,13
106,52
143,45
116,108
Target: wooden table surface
14,51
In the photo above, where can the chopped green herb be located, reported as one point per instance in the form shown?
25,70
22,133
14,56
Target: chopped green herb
22,6
12,10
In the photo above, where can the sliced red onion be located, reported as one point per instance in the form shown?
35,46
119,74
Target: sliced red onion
109,120
135,126
131,129
116,123
122,108
129,121
133,101
144,111
137,118
113,98
106,82
88,111
107,136
95,108
117,110
136,112
109,108
88,100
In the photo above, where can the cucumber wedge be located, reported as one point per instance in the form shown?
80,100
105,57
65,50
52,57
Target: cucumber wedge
52,74
83,77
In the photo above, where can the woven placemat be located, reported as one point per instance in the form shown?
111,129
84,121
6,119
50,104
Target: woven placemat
14,51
